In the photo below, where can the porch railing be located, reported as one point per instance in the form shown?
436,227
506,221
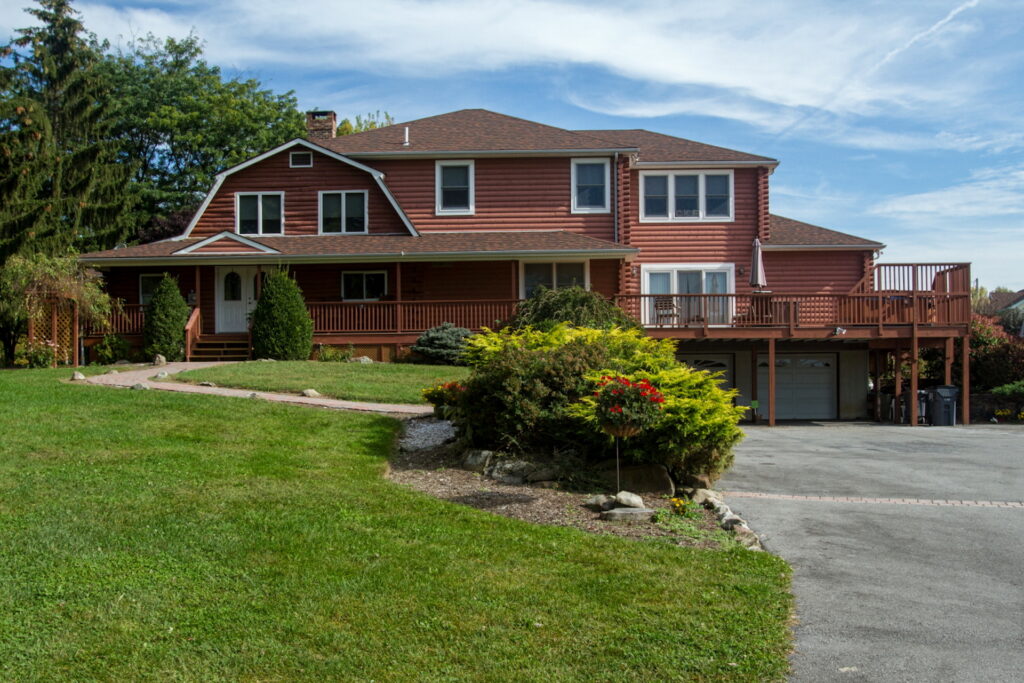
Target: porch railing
128,320
797,310
193,330
406,316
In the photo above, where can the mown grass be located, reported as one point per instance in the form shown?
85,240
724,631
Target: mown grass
379,382
151,535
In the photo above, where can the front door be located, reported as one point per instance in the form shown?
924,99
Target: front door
236,297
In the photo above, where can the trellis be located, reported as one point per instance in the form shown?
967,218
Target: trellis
56,323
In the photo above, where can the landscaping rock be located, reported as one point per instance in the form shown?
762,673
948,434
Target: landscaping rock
207,384
477,460
600,502
159,360
77,377
705,497
629,500
628,514
110,372
746,537
162,375
141,386
509,471
361,359
123,362
543,473
731,521
266,360
311,393
426,434
653,479
254,395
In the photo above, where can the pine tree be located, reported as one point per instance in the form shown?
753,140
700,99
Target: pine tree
82,186
163,329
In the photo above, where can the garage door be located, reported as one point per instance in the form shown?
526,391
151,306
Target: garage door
712,363
805,386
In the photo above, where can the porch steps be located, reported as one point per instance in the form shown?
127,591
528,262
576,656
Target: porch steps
221,347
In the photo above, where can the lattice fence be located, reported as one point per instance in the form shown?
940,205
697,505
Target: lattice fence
57,323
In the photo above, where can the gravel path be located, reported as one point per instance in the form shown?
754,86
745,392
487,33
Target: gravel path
133,374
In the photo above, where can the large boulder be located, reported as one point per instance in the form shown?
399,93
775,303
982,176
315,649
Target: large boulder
629,499
77,376
159,360
311,393
509,471
641,478
477,460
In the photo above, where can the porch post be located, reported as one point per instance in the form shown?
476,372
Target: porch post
965,386
947,358
259,280
53,328
771,382
74,333
398,296
897,413
199,298
914,362
753,383
876,381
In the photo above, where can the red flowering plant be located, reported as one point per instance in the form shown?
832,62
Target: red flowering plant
624,407
444,396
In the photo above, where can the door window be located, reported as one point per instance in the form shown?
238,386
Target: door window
232,287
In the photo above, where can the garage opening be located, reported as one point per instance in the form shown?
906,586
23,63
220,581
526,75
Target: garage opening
806,385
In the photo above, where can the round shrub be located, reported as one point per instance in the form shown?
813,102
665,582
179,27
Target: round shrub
442,345
163,329
573,305
281,326
111,349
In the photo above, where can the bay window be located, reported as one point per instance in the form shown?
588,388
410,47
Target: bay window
686,196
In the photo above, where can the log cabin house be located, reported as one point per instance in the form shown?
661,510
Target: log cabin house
457,217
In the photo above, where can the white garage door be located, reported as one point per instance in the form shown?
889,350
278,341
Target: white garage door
713,363
805,386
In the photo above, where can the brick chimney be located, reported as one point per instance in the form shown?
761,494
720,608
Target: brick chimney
321,125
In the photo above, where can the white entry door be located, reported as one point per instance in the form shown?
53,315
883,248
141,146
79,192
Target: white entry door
805,386
236,297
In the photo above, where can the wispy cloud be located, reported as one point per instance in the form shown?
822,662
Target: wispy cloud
988,192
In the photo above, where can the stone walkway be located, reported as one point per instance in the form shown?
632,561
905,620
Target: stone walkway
133,375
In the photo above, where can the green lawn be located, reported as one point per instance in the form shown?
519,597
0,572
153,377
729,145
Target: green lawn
381,382
151,535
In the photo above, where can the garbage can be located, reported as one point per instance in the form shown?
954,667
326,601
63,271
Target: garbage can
942,405
922,406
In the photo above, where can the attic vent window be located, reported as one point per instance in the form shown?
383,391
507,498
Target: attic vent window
301,160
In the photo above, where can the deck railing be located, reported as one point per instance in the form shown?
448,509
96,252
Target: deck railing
797,310
937,278
406,316
128,320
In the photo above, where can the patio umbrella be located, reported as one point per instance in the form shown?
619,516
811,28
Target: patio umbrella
757,277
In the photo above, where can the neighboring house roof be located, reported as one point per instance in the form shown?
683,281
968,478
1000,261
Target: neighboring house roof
1003,300
463,245
657,147
466,130
787,233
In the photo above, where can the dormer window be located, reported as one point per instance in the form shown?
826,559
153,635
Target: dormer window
686,196
259,213
301,160
455,188
590,180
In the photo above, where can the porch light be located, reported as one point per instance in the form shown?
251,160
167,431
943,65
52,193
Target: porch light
839,331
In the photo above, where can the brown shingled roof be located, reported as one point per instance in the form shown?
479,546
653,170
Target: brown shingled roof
466,130
789,232
659,147
350,247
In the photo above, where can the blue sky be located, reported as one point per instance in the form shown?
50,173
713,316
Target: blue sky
897,121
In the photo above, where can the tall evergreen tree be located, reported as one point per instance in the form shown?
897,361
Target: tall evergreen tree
82,185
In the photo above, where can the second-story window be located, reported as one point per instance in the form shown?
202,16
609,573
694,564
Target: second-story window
260,213
343,212
455,187
686,196
590,185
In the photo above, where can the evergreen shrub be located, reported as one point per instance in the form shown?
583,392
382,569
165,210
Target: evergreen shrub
573,305
163,330
442,345
281,326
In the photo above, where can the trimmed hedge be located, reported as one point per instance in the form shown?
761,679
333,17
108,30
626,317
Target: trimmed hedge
163,330
281,326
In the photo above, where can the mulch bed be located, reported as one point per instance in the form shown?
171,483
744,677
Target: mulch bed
436,473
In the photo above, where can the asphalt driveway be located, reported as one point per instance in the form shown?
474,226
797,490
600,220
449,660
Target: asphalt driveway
907,546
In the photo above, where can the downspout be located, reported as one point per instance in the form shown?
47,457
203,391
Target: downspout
615,200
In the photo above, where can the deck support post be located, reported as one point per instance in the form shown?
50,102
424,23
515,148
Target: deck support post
876,382
753,384
914,363
771,382
947,360
965,386
898,385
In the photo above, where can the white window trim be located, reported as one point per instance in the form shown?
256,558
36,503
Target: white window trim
144,275
607,186
320,211
362,272
438,209
673,268
522,269
671,218
259,214
291,160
